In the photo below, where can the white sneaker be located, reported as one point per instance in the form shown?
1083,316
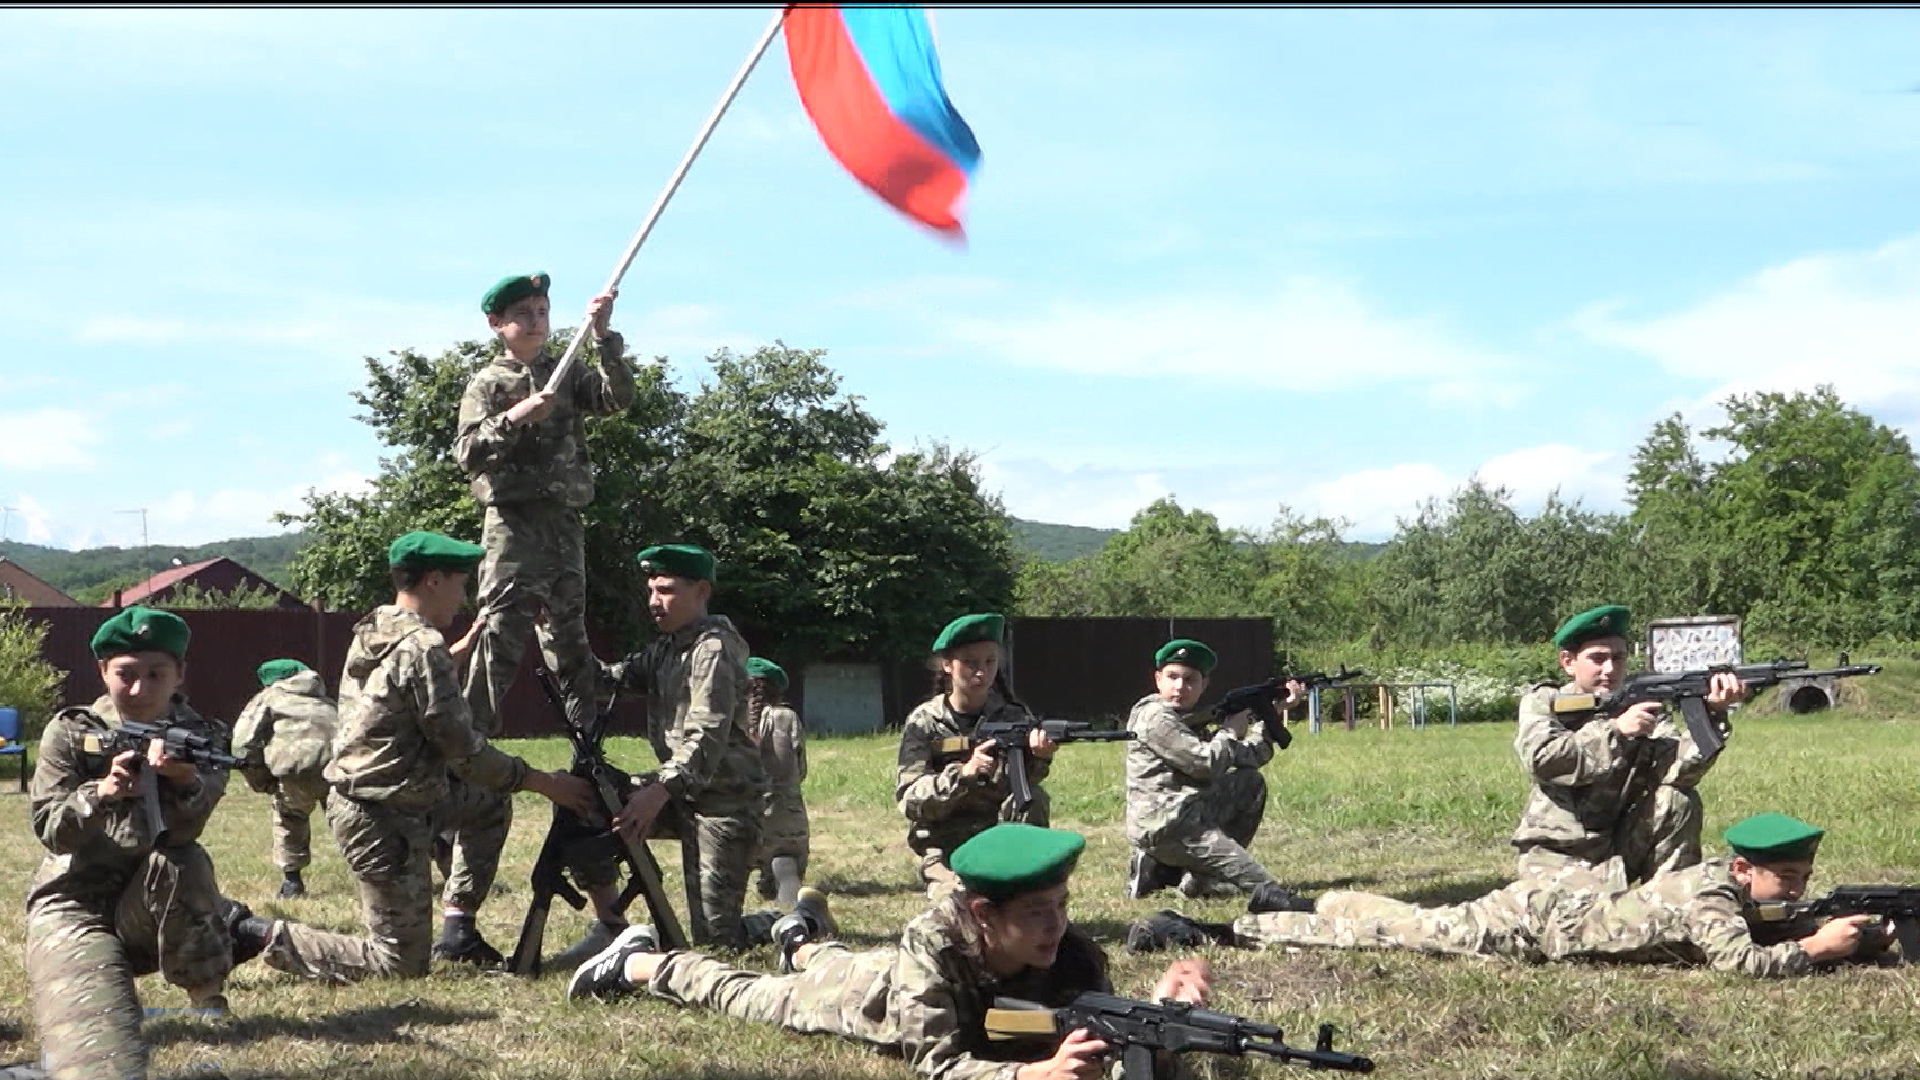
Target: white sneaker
605,976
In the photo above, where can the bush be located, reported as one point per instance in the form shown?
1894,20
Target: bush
27,681
1488,679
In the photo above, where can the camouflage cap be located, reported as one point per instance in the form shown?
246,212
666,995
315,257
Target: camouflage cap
677,560
762,668
141,629
1013,858
1186,651
968,629
274,670
432,551
1771,838
1608,621
512,289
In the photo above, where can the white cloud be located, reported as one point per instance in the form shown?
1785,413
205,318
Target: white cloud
1308,334
1849,319
1595,477
27,520
47,439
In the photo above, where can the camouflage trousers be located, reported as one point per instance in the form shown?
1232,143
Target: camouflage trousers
83,957
535,561
477,821
1535,918
934,841
388,850
1210,837
784,833
294,800
726,844
1657,833
840,992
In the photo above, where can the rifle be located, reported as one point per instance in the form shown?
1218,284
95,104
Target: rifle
1774,921
1139,1028
1259,699
180,744
1012,736
1689,690
572,841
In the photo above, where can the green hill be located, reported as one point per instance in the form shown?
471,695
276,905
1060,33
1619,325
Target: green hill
1058,543
91,574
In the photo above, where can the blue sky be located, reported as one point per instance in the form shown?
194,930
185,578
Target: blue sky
1340,260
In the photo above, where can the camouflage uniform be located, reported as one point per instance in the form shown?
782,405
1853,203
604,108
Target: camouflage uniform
947,809
1597,794
118,896
784,830
1195,803
696,684
285,735
925,998
403,727
1694,915
533,480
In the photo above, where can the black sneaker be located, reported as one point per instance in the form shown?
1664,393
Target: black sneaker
460,943
810,920
291,887
605,976
1169,929
1145,876
1273,896
250,932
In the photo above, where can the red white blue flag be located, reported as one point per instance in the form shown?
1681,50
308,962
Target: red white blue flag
870,81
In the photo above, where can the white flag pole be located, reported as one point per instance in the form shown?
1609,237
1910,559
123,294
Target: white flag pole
565,366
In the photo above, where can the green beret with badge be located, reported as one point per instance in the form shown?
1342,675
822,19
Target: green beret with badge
1186,651
1013,858
141,629
1607,621
968,629
512,289
676,560
761,668
1774,838
432,551
274,670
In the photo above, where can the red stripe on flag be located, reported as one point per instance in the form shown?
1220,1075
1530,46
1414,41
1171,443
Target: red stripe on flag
891,159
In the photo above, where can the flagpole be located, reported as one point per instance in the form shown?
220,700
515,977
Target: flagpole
565,366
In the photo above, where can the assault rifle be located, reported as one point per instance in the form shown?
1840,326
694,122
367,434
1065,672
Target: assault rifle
1260,697
1774,921
1689,689
573,842
1137,1029
1012,735
180,744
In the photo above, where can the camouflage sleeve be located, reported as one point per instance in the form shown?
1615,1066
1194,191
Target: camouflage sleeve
67,810
252,730
922,1002
484,436
607,387
1552,754
924,789
787,741
1716,925
446,724
1170,739
713,690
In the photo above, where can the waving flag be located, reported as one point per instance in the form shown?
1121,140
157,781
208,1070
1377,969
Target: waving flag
870,81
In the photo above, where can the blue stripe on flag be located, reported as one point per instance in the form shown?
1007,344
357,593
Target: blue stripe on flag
897,46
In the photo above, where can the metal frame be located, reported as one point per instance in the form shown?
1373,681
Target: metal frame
1419,710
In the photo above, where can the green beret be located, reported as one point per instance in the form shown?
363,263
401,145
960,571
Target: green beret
678,560
968,629
1013,858
1608,621
1771,838
141,629
512,289
432,551
1186,651
274,670
760,668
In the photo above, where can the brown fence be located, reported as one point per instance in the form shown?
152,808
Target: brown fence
1086,669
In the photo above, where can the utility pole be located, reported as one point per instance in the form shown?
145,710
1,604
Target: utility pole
144,552
6,522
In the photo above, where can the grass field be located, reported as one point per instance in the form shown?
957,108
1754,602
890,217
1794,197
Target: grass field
1421,815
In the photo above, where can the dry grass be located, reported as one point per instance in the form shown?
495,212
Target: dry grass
1420,815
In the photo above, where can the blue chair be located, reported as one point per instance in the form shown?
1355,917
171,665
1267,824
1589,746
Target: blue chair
10,740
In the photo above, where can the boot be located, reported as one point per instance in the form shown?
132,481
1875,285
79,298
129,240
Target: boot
810,920
460,943
250,932
1273,896
1168,929
291,886
1146,876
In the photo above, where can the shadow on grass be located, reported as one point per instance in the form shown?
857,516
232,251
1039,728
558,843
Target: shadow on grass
1458,892
837,887
372,1025
455,1071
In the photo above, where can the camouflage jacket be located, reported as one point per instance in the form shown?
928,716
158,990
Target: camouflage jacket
783,747
546,461
939,993
95,848
1695,915
1586,775
403,721
288,727
928,784
696,684
1169,766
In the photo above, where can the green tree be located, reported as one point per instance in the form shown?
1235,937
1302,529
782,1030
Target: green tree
27,681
